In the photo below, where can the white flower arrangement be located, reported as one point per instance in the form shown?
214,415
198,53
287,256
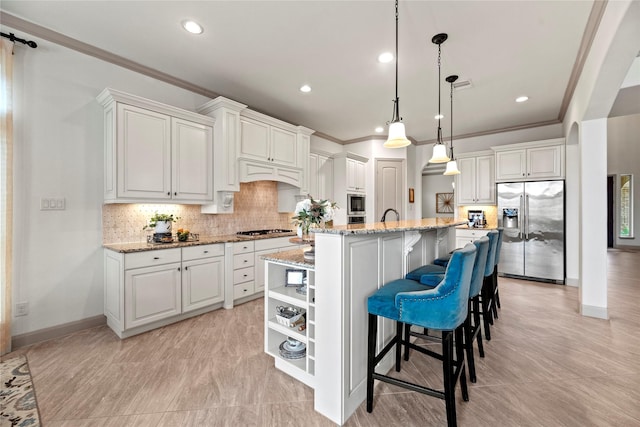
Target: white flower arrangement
310,211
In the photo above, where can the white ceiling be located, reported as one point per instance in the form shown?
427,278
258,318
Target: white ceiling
260,52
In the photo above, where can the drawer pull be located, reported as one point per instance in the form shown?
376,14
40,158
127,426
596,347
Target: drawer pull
206,252
244,275
156,257
245,260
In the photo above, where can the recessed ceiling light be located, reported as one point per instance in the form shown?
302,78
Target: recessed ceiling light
379,129
305,88
438,116
522,98
385,57
192,26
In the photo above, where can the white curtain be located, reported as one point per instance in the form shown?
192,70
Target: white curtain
6,191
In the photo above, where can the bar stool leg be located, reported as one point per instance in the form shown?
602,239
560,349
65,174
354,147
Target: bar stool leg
468,346
371,355
477,323
460,361
399,342
447,369
407,337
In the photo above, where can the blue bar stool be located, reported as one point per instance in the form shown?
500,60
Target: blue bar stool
496,294
472,329
443,308
486,294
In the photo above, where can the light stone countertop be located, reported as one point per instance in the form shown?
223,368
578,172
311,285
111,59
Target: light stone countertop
392,226
293,257
206,240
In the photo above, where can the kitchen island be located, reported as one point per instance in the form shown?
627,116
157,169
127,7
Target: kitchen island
351,263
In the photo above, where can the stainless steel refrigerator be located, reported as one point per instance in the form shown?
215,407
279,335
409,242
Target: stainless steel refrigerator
532,215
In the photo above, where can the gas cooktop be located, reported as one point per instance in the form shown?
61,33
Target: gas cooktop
262,232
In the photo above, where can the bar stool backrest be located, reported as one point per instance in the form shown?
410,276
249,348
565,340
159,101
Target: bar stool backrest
491,256
444,307
480,265
500,233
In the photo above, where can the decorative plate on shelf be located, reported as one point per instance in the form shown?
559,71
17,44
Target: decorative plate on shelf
444,202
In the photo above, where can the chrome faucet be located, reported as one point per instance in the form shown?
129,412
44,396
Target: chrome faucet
384,215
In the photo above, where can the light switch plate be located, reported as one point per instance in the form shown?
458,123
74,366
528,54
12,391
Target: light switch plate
52,204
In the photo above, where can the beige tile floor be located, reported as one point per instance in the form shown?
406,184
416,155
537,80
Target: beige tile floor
545,366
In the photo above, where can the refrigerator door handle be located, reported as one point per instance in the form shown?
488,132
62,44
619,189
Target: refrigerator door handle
526,233
521,223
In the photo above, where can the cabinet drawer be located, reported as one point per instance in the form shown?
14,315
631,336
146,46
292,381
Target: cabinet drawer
243,290
243,247
202,251
243,275
151,258
275,243
471,233
243,260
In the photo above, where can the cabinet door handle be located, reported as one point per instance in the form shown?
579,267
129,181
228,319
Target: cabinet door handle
178,268
168,193
186,268
175,193
522,174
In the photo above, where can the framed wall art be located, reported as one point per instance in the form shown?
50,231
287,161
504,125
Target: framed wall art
444,202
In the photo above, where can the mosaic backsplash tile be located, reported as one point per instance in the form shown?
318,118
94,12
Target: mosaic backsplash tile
255,207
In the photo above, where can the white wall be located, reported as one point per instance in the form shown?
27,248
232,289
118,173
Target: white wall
623,157
432,184
59,153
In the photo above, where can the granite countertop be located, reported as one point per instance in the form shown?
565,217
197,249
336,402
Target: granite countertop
392,226
293,257
206,240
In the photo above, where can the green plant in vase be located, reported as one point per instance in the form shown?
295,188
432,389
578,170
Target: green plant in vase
161,222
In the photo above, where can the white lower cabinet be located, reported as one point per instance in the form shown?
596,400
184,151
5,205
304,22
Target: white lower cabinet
248,268
149,289
276,295
468,236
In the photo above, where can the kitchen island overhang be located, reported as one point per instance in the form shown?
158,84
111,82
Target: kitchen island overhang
351,263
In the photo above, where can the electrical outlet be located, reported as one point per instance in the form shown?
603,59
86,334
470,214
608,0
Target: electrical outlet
22,309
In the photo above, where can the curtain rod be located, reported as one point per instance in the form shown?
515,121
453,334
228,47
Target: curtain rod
14,39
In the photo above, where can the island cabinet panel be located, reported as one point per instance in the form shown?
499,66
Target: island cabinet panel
351,263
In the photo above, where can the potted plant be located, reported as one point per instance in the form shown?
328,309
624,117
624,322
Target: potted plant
161,222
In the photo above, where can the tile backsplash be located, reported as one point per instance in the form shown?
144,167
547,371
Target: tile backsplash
255,207
490,213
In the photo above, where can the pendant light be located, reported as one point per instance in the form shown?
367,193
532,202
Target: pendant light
439,149
397,136
452,165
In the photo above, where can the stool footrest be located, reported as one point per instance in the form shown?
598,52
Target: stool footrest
414,387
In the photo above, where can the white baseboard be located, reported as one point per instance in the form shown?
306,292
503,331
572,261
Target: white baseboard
572,282
593,311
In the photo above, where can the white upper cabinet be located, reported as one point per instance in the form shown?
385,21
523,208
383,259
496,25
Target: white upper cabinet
155,152
476,183
267,143
530,161
321,176
192,161
355,175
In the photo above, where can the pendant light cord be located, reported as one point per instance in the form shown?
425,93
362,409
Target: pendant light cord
439,136
396,102
452,158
